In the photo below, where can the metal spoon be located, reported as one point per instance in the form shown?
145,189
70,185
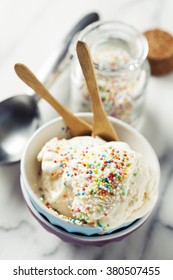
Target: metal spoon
101,125
19,115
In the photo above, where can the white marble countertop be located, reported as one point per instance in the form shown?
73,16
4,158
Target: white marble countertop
30,31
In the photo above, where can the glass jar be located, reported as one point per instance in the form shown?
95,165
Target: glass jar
119,55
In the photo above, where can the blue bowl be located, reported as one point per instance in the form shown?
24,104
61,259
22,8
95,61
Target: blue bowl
79,239
56,219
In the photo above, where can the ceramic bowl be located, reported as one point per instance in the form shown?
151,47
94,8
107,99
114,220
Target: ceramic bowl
30,166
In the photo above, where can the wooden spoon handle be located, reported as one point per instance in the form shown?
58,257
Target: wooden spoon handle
101,124
76,125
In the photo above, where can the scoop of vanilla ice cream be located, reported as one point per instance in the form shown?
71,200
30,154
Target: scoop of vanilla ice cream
56,157
97,182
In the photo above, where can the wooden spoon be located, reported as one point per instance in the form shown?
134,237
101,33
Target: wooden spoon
77,126
101,125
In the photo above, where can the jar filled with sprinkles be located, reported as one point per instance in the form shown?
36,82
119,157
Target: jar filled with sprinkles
119,55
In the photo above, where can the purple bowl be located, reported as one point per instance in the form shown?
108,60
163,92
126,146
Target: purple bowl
98,240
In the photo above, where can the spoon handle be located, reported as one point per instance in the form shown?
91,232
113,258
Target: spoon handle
101,124
76,125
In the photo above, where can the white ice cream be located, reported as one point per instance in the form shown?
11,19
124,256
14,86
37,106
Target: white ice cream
96,182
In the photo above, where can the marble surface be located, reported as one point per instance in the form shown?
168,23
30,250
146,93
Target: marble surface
30,31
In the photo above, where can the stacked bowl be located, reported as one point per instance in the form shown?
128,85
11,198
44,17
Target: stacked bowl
56,224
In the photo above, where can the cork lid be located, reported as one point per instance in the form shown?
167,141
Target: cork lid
160,43
160,53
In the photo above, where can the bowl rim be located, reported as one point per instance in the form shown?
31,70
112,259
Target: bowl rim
58,119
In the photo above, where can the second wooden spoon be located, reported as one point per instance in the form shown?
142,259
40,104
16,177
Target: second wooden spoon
77,126
101,125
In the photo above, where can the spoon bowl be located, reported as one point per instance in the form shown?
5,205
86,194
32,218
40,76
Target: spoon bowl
19,119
